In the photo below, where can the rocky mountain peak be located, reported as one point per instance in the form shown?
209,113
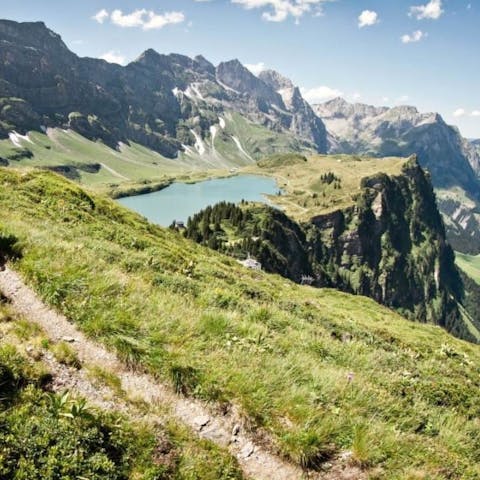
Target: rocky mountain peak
34,35
340,108
237,77
148,102
275,80
148,57
205,64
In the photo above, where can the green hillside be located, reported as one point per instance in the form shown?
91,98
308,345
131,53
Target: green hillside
470,264
49,436
315,372
133,166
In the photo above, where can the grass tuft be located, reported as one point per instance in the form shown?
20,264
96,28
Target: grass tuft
66,355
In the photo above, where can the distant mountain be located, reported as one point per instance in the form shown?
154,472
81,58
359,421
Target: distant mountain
453,162
168,103
476,145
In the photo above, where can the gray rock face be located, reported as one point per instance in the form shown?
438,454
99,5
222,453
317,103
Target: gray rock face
275,80
156,100
402,130
237,77
453,162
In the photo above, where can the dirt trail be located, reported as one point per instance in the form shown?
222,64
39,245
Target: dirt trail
254,460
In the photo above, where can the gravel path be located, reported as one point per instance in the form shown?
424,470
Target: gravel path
223,429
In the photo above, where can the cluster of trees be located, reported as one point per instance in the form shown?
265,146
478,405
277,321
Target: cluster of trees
206,227
329,178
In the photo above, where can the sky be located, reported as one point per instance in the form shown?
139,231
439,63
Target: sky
382,52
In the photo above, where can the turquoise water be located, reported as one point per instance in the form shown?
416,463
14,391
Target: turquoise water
180,200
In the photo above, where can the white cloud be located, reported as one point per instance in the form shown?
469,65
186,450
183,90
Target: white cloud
462,112
101,16
402,99
413,37
113,57
320,94
280,10
356,96
134,19
256,68
141,18
367,18
159,21
432,10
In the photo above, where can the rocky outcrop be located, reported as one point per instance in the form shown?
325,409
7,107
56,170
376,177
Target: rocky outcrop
390,246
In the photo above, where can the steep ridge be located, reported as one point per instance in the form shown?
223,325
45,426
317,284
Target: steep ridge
389,245
305,124
451,160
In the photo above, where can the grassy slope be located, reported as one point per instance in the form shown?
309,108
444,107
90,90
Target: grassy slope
257,141
133,164
304,193
51,436
317,370
62,147
470,264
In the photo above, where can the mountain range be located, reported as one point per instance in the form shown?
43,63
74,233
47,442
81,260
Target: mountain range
193,113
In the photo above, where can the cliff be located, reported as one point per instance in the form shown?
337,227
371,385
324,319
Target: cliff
389,245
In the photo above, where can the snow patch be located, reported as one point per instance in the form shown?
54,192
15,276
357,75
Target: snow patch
197,91
280,110
188,150
193,92
199,145
240,147
213,133
222,123
176,91
457,213
16,138
287,96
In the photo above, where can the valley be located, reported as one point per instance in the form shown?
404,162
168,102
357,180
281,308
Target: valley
191,116
206,273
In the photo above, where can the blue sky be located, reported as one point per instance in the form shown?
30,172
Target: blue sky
420,52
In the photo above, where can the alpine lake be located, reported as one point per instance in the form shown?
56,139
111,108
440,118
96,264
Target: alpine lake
179,201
